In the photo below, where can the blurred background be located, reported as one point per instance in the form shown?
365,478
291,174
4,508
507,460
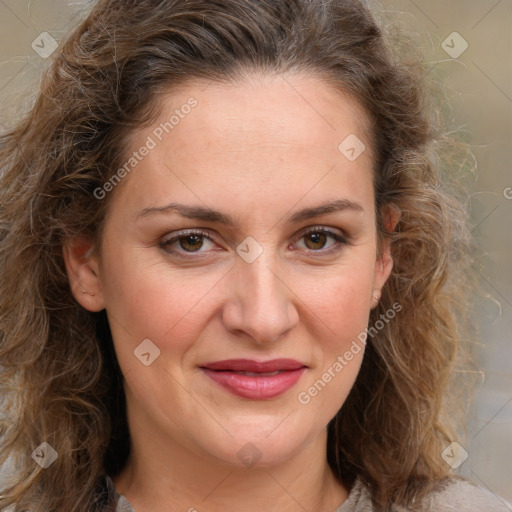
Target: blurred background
467,45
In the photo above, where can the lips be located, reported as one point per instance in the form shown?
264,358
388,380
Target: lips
257,380
248,365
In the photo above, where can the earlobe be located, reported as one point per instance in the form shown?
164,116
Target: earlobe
383,267
83,273
384,262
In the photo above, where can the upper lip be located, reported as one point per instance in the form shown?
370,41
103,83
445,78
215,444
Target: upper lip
249,365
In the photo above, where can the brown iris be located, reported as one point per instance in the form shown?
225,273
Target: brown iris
316,238
191,243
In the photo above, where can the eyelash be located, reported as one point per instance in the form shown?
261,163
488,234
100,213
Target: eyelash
165,244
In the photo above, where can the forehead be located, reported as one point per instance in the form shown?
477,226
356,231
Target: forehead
258,104
282,133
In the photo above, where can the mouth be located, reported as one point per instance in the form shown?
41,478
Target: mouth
255,380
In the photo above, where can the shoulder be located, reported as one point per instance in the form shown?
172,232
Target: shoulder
116,502
450,495
457,494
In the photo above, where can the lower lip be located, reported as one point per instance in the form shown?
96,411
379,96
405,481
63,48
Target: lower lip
256,388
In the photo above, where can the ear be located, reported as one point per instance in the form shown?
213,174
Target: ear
384,261
83,273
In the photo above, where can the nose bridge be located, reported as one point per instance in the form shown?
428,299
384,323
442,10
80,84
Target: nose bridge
264,306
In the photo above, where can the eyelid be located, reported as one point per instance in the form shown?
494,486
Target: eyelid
176,235
325,229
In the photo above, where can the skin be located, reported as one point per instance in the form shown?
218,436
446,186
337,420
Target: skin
259,150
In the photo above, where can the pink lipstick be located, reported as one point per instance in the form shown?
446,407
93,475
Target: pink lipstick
256,380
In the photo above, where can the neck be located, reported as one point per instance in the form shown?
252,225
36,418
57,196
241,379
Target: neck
159,479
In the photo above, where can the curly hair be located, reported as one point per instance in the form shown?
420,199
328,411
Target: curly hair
59,378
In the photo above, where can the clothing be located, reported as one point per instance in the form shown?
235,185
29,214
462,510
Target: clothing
455,496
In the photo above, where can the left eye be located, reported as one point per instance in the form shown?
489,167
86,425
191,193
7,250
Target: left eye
191,242
315,239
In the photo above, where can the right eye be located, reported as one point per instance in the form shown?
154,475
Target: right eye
185,242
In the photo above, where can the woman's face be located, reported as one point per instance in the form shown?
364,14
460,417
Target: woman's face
268,274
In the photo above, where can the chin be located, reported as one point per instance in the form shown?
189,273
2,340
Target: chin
261,450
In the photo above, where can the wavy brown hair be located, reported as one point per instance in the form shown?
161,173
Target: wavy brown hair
59,378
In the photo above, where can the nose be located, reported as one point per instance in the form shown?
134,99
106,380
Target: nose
260,302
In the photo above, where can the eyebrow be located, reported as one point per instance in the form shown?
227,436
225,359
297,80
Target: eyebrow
207,214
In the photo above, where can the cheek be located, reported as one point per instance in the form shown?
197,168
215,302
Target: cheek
148,300
341,299
340,312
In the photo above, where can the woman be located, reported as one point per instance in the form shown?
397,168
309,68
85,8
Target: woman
230,276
